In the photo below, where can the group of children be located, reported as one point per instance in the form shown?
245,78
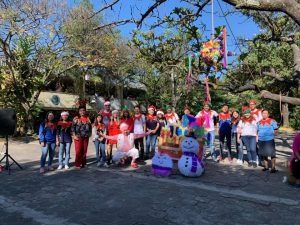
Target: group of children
251,128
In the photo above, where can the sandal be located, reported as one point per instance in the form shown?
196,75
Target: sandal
134,165
273,170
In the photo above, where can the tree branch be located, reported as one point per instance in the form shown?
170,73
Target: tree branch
290,7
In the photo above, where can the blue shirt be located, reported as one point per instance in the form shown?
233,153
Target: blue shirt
266,129
47,134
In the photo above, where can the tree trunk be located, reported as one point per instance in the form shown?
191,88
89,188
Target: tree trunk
285,114
173,88
276,97
296,56
119,94
290,7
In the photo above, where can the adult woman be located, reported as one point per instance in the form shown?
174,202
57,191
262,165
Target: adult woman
64,139
47,137
247,131
267,128
126,118
152,126
235,119
99,141
161,120
113,129
81,128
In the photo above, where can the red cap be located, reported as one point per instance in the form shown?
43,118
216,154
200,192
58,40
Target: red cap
152,107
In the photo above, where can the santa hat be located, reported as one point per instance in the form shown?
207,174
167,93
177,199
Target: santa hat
64,113
115,111
160,112
107,103
151,107
124,126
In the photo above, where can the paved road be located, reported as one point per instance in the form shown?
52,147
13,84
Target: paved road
225,194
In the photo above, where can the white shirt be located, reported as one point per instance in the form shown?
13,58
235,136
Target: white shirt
248,129
139,125
173,120
211,121
257,115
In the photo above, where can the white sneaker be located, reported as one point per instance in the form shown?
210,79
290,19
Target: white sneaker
59,167
106,165
67,167
239,162
98,164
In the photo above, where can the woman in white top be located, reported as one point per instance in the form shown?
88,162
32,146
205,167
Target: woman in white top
247,131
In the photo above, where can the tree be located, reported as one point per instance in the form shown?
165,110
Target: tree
31,47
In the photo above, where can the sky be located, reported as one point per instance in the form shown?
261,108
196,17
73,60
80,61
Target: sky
241,26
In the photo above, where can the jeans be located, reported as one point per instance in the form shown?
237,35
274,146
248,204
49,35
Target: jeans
250,143
151,141
100,151
210,136
238,147
49,147
139,144
62,147
222,136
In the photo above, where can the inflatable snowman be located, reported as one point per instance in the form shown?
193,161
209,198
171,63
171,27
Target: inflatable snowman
162,165
189,164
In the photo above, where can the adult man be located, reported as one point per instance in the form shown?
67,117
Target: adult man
106,113
208,116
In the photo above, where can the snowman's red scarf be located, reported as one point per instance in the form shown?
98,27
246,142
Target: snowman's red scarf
195,159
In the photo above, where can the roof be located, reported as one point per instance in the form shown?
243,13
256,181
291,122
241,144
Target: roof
64,101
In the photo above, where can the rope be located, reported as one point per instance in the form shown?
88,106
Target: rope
235,40
212,20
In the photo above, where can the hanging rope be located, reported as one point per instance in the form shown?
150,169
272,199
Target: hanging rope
212,21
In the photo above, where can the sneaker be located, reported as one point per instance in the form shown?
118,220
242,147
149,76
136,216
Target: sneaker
67,167
273,170
214,158
134,165
99,164
42,170
106,165
239,162
254,164
249,164
50,168
59,167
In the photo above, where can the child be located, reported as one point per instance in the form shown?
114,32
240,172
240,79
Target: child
125,145
247,131
99,142
64,139
47,137
267,128
81,128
